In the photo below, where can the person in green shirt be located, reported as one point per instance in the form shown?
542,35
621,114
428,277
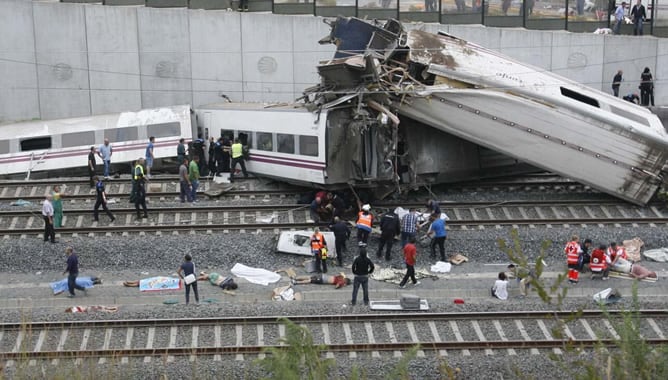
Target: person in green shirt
193,175
57,203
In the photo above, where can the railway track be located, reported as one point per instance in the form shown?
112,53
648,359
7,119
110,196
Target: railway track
246,337
274,217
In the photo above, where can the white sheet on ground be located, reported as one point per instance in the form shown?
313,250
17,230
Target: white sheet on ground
441,267
255,275
658,254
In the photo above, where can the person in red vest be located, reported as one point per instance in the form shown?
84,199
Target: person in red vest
318,244
573,251
364,223
599,263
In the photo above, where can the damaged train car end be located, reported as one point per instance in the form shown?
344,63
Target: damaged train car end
391,77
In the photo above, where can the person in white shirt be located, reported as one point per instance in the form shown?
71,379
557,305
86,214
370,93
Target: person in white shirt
500,288
619,18
47,213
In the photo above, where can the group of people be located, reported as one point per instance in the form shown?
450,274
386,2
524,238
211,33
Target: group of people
638,15
601,261
646,87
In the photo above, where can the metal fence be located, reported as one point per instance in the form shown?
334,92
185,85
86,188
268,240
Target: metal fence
572,15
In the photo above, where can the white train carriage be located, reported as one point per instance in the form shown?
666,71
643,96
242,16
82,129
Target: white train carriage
65,143
286,142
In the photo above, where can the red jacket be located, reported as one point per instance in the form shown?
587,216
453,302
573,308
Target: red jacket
410,254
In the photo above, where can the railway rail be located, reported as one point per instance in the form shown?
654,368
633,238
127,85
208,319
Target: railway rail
440,333
275,217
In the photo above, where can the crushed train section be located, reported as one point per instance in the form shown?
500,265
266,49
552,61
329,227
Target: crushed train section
390,80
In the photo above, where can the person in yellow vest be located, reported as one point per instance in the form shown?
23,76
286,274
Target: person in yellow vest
319,250
238,157
140,188
364,223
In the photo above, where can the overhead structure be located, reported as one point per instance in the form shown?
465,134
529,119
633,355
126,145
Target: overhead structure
497,102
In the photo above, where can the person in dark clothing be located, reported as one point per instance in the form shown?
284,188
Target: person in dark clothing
73,270
341,235
140,188
633,98
638,15
101,200
218,156
198,146
389,228
616,82
646,88
212,156
188,268
181,151
91,166
585,256
433,208
362,268
337,205
227,149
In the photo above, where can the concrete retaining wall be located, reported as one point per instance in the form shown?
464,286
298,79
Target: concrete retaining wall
64,60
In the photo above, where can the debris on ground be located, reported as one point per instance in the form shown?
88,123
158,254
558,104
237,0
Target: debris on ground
607,296
86,309
458,258
658,254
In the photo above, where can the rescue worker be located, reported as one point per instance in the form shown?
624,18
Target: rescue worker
341,235
600,263
319,250
573,251
389,228
140,188
237,157
198,146
101,200
364,223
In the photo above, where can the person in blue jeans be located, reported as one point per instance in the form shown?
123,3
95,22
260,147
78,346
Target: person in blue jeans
188,268
362,268
184,181
438,234
193,175
73,271
105,151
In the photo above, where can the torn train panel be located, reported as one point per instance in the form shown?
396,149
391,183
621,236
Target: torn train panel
537,117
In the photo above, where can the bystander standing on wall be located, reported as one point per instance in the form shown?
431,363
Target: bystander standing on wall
619,18
91,166
72,270
616,82
105,151
638,15
47,213
188,268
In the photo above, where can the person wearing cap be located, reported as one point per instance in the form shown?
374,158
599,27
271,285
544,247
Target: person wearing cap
364,223
318,244
362,268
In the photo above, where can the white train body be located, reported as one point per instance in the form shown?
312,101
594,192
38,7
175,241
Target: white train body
65,143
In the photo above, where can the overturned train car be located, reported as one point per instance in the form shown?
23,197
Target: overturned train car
481,96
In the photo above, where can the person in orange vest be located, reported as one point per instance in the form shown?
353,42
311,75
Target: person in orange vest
319,250
573,251
599,263
364,223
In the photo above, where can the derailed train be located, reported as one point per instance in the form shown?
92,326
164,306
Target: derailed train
397,109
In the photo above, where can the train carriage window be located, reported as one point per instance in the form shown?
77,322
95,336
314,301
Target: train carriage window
245,138
227,132
286,143
264,141
4,146
579,97
122,134
172,129
308,145
37,143
86,138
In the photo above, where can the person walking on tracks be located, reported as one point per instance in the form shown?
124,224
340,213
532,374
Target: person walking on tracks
47,213
362,268
72,270
101,200
186,269
410,257
91,166
140,188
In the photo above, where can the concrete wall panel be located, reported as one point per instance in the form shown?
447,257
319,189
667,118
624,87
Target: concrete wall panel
164,57
60,40
18,72
267,57
478,34
532,47
113,58
660,72
579,57
215,43
307,52
632,55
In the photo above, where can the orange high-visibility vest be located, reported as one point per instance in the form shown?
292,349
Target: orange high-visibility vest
364,220
317,241
572,252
